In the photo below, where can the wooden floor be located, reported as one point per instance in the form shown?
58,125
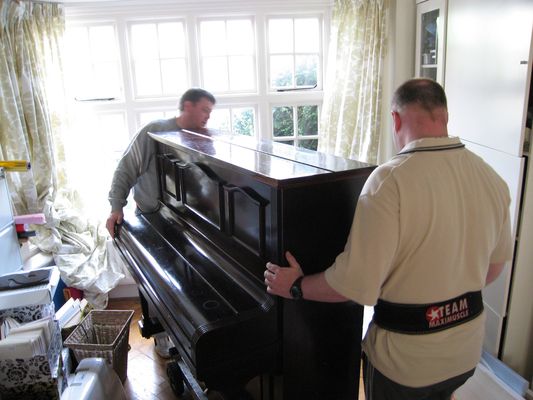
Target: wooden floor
147,377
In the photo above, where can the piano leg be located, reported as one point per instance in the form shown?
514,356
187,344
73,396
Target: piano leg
148,326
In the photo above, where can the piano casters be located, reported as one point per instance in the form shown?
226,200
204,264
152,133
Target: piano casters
180,375
175,378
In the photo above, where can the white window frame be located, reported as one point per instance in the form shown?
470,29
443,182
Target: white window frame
121,13
295,138
131,61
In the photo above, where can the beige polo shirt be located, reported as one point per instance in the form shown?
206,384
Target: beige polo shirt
427,225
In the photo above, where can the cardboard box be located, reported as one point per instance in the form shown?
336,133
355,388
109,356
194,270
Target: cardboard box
41,294
38,377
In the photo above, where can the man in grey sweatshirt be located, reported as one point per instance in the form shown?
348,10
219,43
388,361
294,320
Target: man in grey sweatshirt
137,167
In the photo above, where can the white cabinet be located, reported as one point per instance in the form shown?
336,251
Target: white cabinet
430,34
489,58
488,48
9,244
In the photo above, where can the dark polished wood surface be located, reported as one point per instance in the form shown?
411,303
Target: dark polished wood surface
278,164
228,207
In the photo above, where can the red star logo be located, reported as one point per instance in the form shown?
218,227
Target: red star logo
432,314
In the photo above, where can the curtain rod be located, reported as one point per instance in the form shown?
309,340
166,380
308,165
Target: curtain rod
39,1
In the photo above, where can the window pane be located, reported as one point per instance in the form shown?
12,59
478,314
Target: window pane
92,64
144,41
106,74
160,61
240,37
228,55
213,37
306,70
216,74
280,36
307,120
102,134
82,88
101,47
171,40
115,131
311,144
294,52
77,43
281,74
174,76
242,75
283,121
306,34
220,119
149,116
243,121
147,77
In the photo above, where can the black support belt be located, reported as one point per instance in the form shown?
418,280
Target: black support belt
428,318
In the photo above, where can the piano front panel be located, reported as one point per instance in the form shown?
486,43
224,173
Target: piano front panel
201,192
169,180
214,195
245,217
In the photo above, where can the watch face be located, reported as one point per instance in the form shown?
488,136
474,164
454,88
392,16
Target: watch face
296,292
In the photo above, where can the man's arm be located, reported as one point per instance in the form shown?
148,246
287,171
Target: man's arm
494,271
314,287
114,219
134,162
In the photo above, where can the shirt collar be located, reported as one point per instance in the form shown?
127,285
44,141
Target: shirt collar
432,144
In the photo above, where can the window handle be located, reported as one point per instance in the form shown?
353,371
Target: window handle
95,99
296,88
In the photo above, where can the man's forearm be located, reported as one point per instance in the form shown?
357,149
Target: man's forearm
315,287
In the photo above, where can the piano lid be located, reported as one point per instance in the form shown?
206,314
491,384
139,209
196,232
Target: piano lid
274,161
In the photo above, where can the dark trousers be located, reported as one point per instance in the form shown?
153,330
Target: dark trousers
379,387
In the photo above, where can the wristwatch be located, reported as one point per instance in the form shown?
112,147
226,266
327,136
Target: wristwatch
296,288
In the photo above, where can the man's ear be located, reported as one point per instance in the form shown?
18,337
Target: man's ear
187,105
396,121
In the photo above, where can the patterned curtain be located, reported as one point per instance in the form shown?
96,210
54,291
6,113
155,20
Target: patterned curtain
351,112
32,125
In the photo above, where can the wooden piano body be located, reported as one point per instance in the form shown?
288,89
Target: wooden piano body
229,205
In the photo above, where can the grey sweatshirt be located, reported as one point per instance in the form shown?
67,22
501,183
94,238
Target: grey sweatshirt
137,169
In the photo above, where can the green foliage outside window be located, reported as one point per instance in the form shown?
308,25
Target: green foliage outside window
283,121
243,123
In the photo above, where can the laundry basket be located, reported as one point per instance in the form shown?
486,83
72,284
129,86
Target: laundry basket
104,334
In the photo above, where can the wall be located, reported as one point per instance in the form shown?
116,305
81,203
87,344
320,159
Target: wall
399,65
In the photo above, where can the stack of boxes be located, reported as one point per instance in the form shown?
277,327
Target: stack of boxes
41,376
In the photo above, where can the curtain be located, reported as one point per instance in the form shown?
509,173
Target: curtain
351,112
32,127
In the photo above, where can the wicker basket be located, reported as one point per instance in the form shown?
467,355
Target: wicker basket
103,334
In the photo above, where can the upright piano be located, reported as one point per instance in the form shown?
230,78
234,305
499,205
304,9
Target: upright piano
229,204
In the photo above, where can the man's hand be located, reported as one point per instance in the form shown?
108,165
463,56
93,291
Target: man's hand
280,279
115,218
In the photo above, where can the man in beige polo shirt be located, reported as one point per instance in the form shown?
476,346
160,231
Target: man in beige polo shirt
431,229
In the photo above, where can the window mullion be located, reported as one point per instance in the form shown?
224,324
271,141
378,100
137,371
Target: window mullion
264,114
295,124
126,64
159,58
193,43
